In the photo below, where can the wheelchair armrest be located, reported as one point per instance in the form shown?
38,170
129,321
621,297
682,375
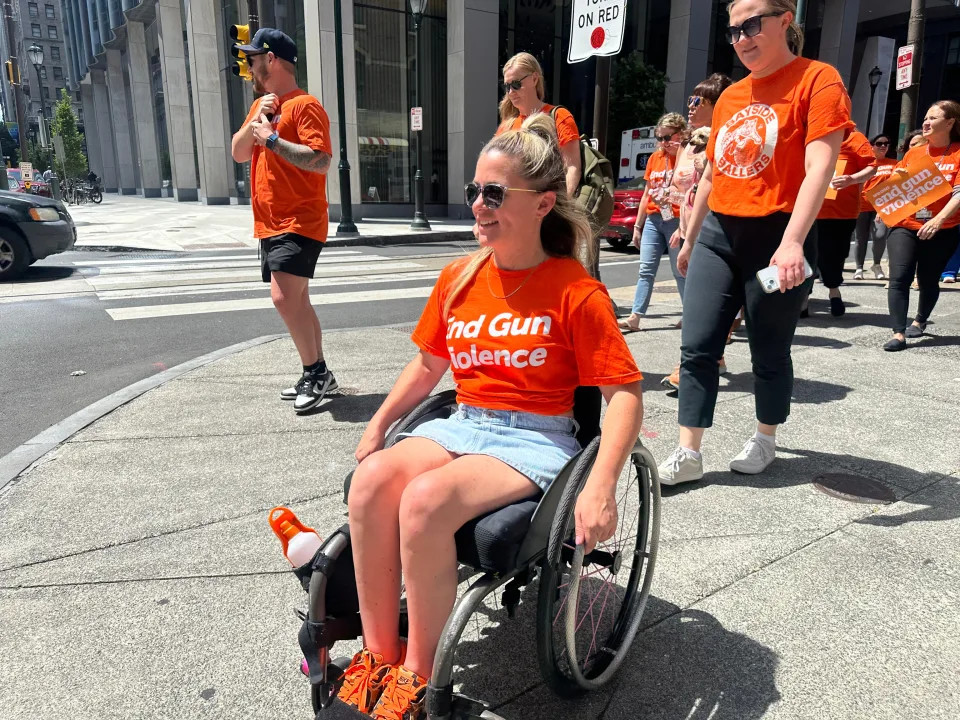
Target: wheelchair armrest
537,537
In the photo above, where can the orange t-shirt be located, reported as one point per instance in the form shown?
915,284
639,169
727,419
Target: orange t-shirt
567,130
884,168
947,159
856,153
530,351
761,128
658,176
285,198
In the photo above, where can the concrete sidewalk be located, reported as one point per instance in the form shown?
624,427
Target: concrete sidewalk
163,224
139,579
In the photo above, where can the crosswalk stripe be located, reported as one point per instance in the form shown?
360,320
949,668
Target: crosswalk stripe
221,288
142,261
242,274
225,264
219,306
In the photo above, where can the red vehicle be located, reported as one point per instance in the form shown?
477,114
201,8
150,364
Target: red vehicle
626,205
37,187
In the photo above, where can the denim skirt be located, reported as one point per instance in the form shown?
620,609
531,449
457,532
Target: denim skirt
537,446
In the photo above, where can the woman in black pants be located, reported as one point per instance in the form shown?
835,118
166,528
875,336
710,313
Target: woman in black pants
923,243
772,151
867,223
837,218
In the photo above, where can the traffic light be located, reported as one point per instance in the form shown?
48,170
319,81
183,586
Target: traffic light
241,36
13,73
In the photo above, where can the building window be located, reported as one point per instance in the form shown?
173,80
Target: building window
58,73
34,11
52,32
49,9
953,51
43,73
55,53
45,91
35,30
385,74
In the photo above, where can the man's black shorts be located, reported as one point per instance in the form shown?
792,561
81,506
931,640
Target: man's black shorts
289,253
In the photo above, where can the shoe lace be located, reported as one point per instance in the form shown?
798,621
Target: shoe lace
676,458
398,698
357,677
303,384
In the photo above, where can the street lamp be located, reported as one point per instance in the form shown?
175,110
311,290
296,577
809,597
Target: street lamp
346,226
874,77
419,217
35,53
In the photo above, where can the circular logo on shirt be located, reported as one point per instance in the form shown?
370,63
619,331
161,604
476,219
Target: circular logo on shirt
746,142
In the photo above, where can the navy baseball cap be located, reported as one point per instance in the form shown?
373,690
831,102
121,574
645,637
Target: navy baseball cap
271,40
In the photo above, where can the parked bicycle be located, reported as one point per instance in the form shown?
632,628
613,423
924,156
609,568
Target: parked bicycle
78,192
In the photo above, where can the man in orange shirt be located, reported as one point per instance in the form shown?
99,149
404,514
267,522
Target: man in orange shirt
286,136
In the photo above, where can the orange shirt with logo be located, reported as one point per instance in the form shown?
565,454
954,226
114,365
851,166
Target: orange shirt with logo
286,199
530,351
567,130
658,176
884,168
947,159
856,154
760,131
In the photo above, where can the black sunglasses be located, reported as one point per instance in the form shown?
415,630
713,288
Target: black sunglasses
515,84
882,143
665,138
749,27
493,193
694,101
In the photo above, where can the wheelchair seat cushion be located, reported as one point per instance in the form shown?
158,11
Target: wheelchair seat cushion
491,542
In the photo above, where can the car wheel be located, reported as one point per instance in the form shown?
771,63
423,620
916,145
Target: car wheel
14,255
620,242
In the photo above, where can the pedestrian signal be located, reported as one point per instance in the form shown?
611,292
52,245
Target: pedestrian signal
241,36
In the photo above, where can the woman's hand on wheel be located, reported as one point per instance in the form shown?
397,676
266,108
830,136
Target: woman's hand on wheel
372,440
789,260
596,513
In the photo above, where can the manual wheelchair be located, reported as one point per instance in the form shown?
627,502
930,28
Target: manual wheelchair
589,606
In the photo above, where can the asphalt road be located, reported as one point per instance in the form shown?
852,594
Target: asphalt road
121,317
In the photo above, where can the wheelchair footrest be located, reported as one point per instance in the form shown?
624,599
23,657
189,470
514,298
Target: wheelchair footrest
339,710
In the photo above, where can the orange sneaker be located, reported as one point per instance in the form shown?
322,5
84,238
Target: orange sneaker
672,381
364,680
402,697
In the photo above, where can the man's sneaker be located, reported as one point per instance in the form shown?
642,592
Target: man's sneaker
402,697
858,274
291,393
312,393
364,680
878,272
755,457
682,466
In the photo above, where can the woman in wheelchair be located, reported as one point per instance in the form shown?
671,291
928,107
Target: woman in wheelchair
522,325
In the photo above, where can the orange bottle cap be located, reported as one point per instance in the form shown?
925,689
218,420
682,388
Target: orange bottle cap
288,529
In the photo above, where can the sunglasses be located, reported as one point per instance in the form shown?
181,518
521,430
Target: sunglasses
749,27
882,143
515,84
695,101
665,138
493,194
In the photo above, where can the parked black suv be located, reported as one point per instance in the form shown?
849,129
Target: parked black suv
31,228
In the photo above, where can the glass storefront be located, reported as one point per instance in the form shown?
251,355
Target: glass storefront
385,54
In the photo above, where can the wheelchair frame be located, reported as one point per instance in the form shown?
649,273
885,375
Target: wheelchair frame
544,542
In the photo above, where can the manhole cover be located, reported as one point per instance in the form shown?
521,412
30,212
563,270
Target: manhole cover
854,488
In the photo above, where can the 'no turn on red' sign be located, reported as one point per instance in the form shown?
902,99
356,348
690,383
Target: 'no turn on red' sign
596,28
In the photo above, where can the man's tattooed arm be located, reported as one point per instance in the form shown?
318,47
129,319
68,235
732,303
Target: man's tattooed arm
303,157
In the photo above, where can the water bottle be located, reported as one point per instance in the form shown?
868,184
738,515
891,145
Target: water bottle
300,543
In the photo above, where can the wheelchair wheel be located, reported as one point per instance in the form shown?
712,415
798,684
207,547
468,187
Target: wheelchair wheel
589,607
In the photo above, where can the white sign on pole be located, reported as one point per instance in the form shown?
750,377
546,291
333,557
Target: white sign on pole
596,28
26,171
416,119
904,67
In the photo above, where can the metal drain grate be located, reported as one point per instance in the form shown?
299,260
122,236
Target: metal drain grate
854,488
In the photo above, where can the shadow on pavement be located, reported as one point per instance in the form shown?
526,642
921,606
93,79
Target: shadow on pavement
46,273
683,664
350,408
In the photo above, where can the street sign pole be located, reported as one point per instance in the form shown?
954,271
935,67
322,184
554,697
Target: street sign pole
908,99
346,226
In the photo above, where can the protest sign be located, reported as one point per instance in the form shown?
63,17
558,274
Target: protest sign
904,195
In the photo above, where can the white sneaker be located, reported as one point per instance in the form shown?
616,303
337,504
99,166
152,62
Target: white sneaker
682,466
858,274
755,457
878,273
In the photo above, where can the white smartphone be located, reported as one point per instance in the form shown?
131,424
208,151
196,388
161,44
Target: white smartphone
770,279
